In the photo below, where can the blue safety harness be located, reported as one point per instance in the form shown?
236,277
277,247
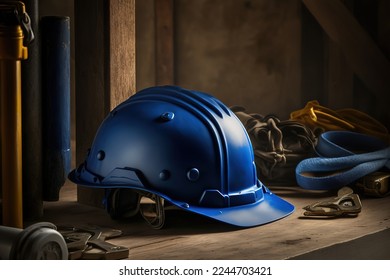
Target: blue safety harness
344,157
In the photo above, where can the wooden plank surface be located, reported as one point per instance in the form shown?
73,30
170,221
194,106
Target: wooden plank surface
189,236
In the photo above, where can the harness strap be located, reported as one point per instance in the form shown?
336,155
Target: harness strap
344,157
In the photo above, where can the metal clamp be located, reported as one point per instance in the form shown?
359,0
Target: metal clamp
14,13
375,184
345,204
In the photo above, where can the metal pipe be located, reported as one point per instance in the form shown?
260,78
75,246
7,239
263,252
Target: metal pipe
12,51
11,142
32,122
55,31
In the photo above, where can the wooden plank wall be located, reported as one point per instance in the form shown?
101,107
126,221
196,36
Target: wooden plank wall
244,52
270,57
274,57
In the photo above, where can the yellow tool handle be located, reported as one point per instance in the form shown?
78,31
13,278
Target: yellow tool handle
12,51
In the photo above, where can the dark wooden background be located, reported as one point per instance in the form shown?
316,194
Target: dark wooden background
267,56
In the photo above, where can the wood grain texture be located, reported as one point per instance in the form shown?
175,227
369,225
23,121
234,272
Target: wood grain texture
189,236
164,42
121,51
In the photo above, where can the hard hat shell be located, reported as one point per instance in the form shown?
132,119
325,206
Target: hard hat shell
187,147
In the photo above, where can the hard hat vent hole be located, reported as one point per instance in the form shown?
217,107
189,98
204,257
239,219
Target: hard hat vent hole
193,174
101,155
164,175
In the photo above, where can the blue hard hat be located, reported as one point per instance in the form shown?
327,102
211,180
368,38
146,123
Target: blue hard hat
186,147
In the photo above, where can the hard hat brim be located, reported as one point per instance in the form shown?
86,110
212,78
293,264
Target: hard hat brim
266,210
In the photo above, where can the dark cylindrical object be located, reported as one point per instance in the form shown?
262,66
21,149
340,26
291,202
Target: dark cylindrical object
55,34
39,241
32,122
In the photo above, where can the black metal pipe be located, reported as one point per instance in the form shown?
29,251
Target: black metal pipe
55,34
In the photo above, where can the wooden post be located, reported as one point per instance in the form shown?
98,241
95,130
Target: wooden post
164,42
105,70
121,51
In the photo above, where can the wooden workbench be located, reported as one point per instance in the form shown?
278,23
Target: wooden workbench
189,236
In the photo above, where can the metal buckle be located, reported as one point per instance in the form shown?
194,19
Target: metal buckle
375,184
345,204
